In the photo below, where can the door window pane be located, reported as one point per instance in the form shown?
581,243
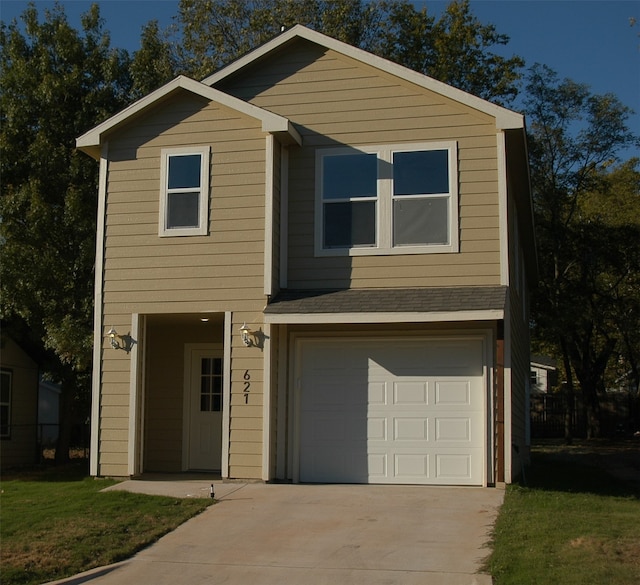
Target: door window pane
422,172
421,221
211,385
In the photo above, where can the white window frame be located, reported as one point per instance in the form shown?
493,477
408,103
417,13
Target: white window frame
384,203
203,209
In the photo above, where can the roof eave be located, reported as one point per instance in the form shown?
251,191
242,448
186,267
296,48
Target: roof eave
91,141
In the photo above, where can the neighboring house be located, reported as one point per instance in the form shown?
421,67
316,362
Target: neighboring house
18,405
312,266
48,413
544,374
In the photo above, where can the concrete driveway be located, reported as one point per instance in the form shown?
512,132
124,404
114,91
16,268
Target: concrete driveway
269,534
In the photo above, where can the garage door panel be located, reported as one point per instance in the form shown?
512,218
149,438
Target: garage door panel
378,394
409,392
331,392
377,429
452,392
342,466
414,413
378,467
454,429
457,468
410,428
411,467
328,428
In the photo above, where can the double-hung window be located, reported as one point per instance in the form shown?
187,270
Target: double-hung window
184,192
399,199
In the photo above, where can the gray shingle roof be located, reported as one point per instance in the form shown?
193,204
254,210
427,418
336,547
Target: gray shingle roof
407,300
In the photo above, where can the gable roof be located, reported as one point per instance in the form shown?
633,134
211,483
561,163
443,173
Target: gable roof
505,119
91,141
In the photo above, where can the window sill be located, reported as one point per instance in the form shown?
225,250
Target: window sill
400,250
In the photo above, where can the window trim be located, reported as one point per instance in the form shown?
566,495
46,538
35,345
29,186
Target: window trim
7,435
384,201
203,205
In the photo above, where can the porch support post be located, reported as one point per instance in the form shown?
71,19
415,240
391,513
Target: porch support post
499,430
283,392
226,394
266,405
134,399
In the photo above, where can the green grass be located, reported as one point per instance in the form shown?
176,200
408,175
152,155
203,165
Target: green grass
57,524
571,524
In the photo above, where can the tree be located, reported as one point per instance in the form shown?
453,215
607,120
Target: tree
55,83
587,262
615,207
216,32
154,64
456,49
463,58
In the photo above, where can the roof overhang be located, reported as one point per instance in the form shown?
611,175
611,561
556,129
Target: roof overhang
91,141
505,119
425,305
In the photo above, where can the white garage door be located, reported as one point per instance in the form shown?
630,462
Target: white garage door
392,411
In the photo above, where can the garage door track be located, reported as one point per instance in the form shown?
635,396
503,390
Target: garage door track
269,534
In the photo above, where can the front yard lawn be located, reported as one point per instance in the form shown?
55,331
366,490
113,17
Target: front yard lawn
56,524
572,523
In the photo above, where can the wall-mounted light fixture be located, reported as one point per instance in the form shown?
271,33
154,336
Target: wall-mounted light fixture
118,341
248,336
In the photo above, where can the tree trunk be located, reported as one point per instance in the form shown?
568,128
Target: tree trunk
592,402
570,402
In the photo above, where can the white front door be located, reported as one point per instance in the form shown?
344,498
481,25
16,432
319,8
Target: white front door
204,386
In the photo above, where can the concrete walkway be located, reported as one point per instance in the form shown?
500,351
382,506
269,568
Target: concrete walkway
266,534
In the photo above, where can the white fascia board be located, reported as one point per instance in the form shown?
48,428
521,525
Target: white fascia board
504,118
90,141
430,317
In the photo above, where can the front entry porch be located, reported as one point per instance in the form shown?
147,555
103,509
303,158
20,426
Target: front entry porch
180,399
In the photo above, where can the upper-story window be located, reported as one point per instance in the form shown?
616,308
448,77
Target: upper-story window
387,200
184,192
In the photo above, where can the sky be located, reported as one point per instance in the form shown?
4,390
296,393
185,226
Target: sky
589,41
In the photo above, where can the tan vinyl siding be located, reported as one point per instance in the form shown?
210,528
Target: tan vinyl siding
148,275
245,447
334,100
145,273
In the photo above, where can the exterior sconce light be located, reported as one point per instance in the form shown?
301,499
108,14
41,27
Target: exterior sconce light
248,336
118,341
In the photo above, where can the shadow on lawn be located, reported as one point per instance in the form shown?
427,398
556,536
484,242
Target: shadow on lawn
75,470
598,467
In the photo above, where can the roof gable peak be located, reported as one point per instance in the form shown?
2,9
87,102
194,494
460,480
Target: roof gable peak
91,141
505,118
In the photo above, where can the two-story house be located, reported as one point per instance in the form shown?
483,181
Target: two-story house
312,266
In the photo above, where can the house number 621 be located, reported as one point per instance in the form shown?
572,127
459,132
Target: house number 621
247,385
